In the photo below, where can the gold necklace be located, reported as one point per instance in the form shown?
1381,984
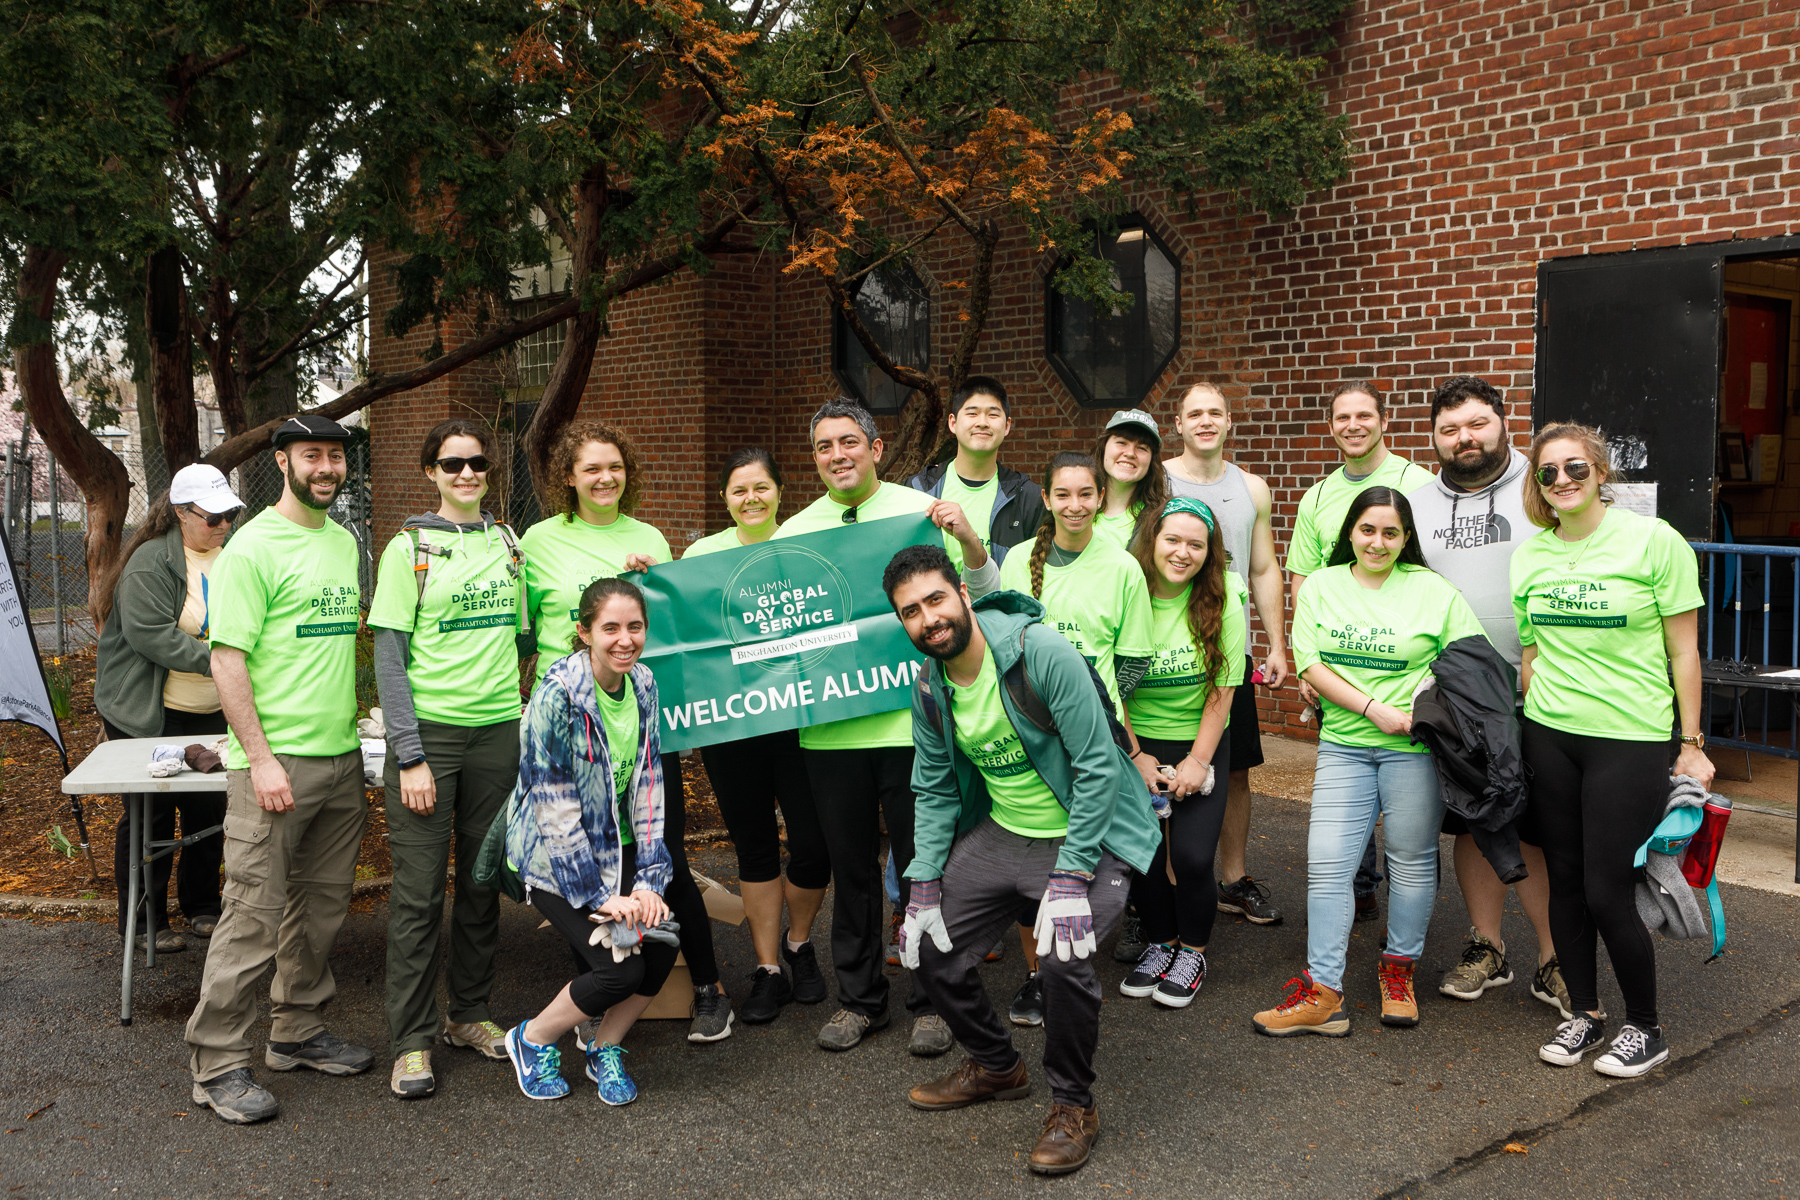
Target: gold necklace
1582,544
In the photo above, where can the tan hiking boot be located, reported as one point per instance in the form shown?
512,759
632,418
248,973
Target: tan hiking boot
972,1083
484,1037
1398,1004
1308,1008
1068,1138
412,1078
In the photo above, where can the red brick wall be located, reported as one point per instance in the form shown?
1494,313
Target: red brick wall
1489,138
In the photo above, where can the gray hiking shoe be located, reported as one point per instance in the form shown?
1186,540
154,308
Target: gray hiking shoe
1483,966
930,1036
236,1097
322,1051
846,1029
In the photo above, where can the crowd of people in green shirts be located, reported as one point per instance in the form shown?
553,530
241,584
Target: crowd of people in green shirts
1075,762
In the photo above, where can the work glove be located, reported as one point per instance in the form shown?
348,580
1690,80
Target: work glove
622,940
1064,918
924,916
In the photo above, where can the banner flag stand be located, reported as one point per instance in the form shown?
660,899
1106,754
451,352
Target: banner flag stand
25,692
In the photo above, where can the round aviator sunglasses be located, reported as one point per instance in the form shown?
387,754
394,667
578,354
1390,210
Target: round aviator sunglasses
1575,469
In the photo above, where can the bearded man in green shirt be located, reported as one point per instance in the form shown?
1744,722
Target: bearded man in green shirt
1022,796
285,606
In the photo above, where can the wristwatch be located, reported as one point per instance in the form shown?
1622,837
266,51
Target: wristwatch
410,763
1696,740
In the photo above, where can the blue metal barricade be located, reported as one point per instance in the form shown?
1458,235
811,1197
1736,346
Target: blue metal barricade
1750,623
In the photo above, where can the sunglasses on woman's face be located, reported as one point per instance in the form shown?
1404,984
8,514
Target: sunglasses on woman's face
454,466
214,520
1576,470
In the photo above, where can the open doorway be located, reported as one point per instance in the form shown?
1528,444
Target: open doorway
1688,358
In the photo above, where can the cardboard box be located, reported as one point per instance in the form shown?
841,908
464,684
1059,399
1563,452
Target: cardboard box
676,1000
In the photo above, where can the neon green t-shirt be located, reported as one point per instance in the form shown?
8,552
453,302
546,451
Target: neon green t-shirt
465,653
1382,642
877,729
1119,526
977,504
287,597
620,716
1022,801
562,558
1099,602
1327,502
1169,700
712,543
1594,610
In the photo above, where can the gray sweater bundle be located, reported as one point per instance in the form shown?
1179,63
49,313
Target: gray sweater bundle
1664,899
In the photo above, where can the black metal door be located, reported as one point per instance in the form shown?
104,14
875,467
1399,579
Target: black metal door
1630,342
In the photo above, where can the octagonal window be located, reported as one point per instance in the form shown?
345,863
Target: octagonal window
1111,359
895,306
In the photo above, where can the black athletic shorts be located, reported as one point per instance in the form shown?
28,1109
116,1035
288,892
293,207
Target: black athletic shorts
1246,735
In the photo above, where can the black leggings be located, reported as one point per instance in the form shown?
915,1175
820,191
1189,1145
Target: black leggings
600,982
749,778
1595,801
197,873
1188,908
683,896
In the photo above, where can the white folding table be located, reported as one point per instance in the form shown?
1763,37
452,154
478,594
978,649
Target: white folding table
123,767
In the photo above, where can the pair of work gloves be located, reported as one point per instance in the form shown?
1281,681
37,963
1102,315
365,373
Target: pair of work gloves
1065,920
626,940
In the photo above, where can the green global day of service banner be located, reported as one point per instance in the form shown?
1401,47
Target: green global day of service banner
782,635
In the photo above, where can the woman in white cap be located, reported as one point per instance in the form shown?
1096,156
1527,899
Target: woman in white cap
154,679
1130,453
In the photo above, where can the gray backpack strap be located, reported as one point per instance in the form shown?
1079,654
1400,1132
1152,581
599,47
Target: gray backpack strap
518,573
423,552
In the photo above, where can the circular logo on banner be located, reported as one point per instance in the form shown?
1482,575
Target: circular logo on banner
785,604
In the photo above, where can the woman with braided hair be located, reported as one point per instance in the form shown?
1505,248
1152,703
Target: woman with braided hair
1180,711
1093,592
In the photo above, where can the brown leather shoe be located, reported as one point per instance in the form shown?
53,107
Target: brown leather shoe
1068,1139
972,1083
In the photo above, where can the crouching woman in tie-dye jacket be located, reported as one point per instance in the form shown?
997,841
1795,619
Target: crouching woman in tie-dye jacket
585,834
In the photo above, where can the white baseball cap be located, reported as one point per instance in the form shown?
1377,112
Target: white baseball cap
205,488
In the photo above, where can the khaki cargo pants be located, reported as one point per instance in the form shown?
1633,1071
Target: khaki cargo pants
287,887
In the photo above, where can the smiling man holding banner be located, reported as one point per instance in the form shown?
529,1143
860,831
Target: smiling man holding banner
861,768
796,633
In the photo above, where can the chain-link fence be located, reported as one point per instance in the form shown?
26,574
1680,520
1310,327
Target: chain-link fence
46,523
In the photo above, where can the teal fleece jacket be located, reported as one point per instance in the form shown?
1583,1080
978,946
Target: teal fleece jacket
1109,807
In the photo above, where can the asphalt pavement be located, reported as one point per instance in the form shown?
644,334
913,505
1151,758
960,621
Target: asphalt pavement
1192,1103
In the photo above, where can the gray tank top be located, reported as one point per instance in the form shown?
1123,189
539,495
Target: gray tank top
1232,507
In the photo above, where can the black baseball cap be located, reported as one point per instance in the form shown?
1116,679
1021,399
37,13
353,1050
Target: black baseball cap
308,428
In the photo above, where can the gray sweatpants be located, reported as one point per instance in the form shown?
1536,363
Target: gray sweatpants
990,871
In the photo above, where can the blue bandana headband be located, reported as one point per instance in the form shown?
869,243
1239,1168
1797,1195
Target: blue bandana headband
1187,504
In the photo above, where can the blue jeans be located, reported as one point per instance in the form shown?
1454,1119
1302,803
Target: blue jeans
1351,787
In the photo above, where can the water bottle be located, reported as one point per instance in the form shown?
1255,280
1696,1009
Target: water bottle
1702,853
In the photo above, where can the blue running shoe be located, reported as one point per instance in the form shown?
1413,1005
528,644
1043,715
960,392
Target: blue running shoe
605,1069
538,1068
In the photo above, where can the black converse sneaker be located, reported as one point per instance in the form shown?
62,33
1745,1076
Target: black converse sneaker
1636,1051
1181,982
1149,970
1574,1038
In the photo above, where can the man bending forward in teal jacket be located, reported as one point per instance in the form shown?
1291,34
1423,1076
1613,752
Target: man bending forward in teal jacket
1022,795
